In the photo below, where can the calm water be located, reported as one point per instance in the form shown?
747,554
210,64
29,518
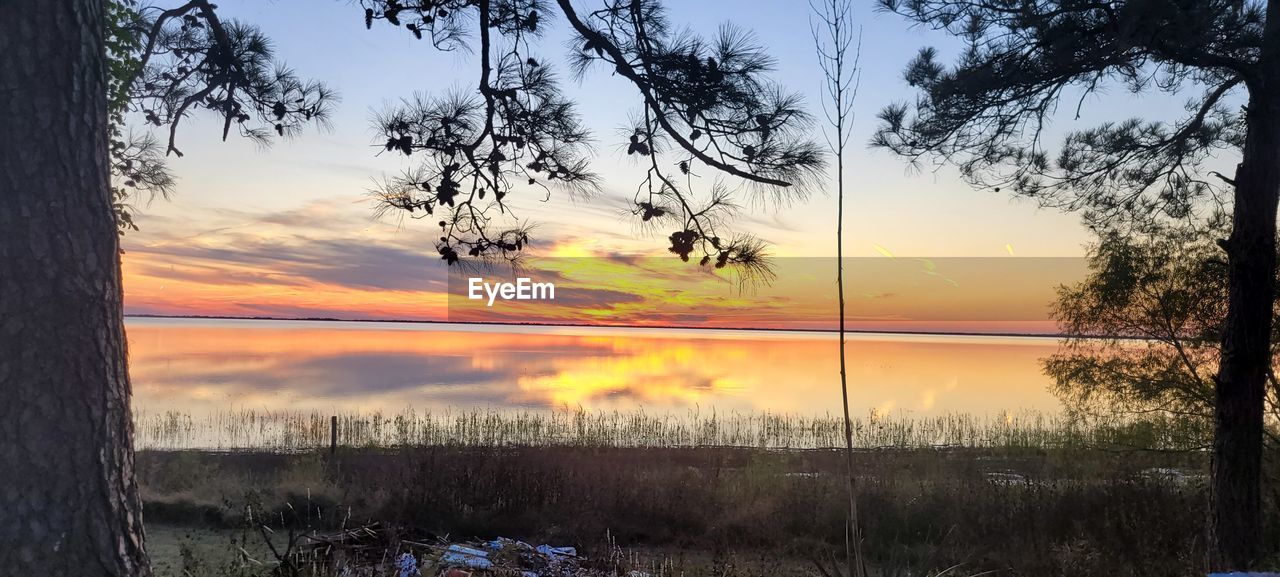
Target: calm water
205,366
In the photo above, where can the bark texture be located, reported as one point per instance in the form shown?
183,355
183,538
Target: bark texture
68,498
1236,540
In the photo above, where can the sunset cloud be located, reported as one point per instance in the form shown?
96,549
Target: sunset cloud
329,258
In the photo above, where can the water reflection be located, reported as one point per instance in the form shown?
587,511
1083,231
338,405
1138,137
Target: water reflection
203,366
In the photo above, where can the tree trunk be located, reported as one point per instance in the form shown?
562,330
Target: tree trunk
68,499
1236,540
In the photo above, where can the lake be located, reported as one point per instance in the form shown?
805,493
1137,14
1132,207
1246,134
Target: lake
204,366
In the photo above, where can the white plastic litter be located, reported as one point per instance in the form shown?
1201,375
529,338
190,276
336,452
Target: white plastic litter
466,557
557,551
530,561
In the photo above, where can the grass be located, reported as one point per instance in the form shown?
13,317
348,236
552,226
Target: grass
1020,511
714,494
183,550
291,431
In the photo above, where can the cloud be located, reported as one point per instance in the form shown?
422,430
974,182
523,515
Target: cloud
196,273
323,241
348,263
327,259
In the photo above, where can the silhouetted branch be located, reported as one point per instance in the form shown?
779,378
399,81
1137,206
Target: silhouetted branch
709,99
986,114
192,60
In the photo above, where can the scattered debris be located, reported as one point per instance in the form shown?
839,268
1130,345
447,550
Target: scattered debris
373,550
466,557
1006,478
1173,476
407,565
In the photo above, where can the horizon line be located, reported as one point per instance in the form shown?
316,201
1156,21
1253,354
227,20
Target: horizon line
624,326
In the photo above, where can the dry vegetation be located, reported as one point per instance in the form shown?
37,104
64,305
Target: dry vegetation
1026,511
714,495
290,431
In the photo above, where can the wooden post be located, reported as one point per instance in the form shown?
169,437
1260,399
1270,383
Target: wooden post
333,434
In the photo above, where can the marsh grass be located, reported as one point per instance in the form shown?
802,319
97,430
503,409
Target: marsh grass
292,431
744,494
1022,511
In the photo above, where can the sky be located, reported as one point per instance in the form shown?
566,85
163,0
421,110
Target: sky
289,231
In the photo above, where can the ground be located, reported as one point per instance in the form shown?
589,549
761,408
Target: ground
1021,511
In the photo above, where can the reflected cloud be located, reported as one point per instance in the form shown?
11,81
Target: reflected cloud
206,366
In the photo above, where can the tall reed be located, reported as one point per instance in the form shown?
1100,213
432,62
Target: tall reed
289,431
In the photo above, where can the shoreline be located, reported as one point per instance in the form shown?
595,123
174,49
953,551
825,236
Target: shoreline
923,333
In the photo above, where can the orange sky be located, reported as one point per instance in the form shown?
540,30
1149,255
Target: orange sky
266,268
288,231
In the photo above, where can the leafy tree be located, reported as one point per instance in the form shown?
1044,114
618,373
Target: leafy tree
1024,58
137,165
1164,293
66,462
69,167
73,71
